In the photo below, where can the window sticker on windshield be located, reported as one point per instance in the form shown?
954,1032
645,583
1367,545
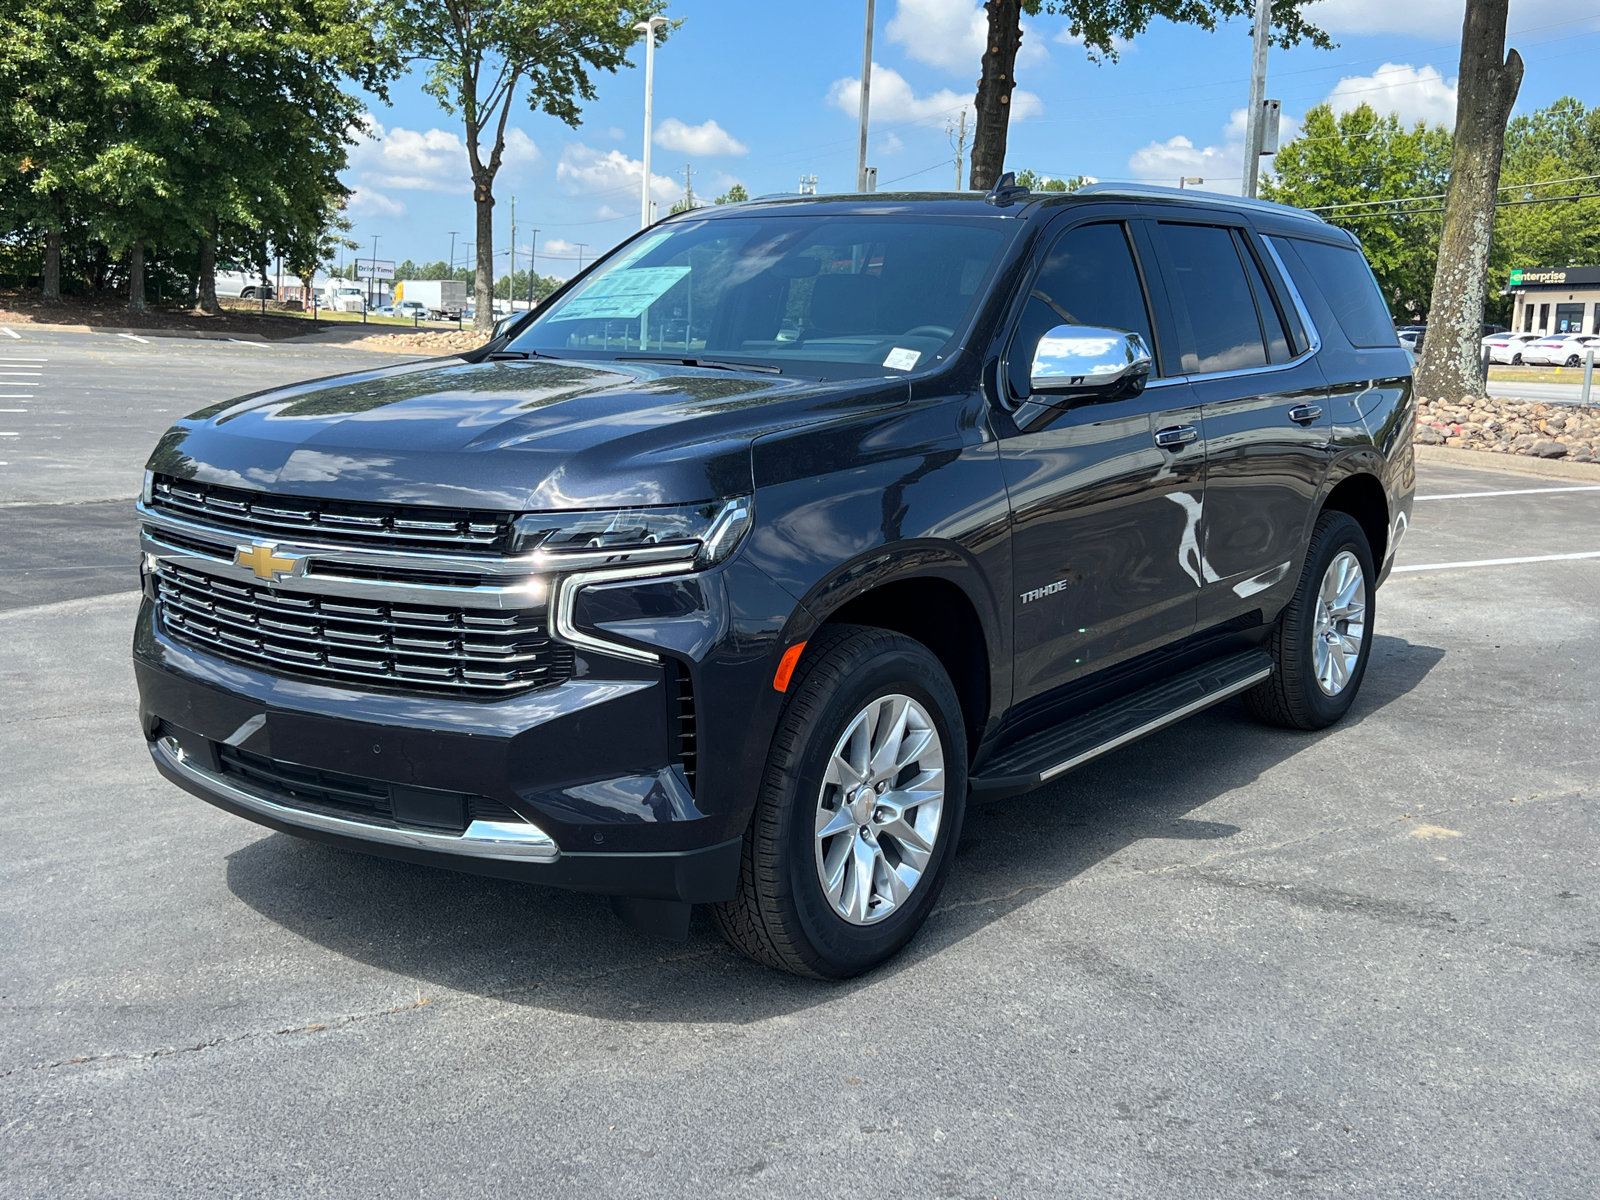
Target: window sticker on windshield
902,360
622,295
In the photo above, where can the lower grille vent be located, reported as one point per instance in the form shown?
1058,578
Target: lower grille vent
370,800
686,749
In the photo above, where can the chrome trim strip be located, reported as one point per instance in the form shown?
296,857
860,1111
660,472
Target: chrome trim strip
1160,722
506,840
1294,294
505,599
491,567
567,588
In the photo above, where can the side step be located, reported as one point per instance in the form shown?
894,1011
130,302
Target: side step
1042,757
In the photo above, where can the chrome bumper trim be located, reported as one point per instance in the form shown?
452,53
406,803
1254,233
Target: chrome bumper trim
516,842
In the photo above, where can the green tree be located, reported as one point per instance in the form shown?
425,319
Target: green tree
1036,182
1347,165
480,53
1554,143
1099,24
735,194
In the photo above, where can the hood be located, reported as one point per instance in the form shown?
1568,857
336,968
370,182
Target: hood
508,435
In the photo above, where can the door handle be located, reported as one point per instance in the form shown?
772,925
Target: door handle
1304,414
1175,436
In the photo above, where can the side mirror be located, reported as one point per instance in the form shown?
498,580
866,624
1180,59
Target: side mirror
1083,362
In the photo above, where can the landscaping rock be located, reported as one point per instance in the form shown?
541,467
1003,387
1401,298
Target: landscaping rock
1545,448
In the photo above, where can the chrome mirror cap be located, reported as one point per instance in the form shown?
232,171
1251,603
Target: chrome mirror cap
1082,360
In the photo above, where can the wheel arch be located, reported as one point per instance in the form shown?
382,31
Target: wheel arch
1360,494
925,593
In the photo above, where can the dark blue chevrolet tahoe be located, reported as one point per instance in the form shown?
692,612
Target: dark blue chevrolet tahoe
734,571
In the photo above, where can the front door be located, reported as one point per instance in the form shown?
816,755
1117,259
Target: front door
1106,534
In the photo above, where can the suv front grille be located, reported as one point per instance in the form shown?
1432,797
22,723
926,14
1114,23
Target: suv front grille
346,522
410,647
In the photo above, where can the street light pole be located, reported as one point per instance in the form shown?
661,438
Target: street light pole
533,260
648,28
1258,93
511,275
372,276
866,103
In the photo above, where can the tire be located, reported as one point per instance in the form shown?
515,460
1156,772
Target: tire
1574,361
1516,360
1298,695
783,914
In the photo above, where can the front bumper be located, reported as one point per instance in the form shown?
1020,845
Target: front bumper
578,779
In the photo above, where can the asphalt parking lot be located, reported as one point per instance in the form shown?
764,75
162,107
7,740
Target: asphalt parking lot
1226,961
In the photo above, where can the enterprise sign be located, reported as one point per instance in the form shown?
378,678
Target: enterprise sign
1554,276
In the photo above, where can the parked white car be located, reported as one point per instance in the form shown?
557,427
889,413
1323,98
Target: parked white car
1562,350
1506,348
243,284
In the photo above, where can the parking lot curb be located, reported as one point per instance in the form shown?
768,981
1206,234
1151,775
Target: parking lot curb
1515,464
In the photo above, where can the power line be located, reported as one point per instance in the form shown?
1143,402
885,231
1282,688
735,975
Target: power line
1505,187
1417,212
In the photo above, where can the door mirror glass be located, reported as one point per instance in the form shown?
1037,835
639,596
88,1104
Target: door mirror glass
1081,361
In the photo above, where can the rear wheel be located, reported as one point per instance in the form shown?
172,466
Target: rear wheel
1323,637
1574,361
860,809
1516,360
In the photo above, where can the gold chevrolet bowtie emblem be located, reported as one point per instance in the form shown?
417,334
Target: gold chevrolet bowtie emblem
261,559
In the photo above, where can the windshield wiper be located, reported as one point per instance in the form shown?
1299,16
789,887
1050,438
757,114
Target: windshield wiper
713,363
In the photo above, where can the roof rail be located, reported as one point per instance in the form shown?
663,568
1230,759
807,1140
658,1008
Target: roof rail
1156,192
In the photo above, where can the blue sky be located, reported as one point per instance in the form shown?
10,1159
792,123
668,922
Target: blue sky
763,93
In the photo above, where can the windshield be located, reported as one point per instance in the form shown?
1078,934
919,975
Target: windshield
813,295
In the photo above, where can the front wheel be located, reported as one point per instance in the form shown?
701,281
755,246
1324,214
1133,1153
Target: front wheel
1323,637
1574,361
860,808
1516,360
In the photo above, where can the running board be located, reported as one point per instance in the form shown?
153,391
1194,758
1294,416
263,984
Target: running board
1047,755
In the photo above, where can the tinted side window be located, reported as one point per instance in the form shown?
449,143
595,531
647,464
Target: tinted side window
1089,278
1217,325
1271,323
1346,283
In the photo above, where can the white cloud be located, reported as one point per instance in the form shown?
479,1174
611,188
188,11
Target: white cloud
1434,19
616,133
364,201
434,160
706,139
585,169
1413,93
895,102
951,34
1220,166
890,144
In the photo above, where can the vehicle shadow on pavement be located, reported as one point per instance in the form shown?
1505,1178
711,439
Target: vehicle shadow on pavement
548,948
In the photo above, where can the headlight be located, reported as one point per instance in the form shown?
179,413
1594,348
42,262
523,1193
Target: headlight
708,532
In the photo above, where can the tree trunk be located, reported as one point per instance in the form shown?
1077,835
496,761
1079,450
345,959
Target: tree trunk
1452,358
136,277
994,92
483,282
50,284
206,286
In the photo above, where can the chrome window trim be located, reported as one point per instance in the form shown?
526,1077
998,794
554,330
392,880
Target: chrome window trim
504,840
1314,337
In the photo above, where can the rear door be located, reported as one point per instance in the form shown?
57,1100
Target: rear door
1105,521
1264,407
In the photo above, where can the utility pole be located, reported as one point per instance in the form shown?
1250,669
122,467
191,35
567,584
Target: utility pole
958,139
452,271
372,275
866,103
533,259
511,276
648,28
688,186
582,246
1258,93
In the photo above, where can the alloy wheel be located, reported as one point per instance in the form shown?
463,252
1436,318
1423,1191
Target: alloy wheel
879,809
1341,623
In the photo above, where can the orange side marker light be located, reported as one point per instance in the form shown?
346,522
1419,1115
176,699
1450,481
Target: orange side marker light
786,666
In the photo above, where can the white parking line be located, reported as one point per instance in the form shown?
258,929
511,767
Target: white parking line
1499,562
16,395
10,333
131,338
1582,487
13,410
252,345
